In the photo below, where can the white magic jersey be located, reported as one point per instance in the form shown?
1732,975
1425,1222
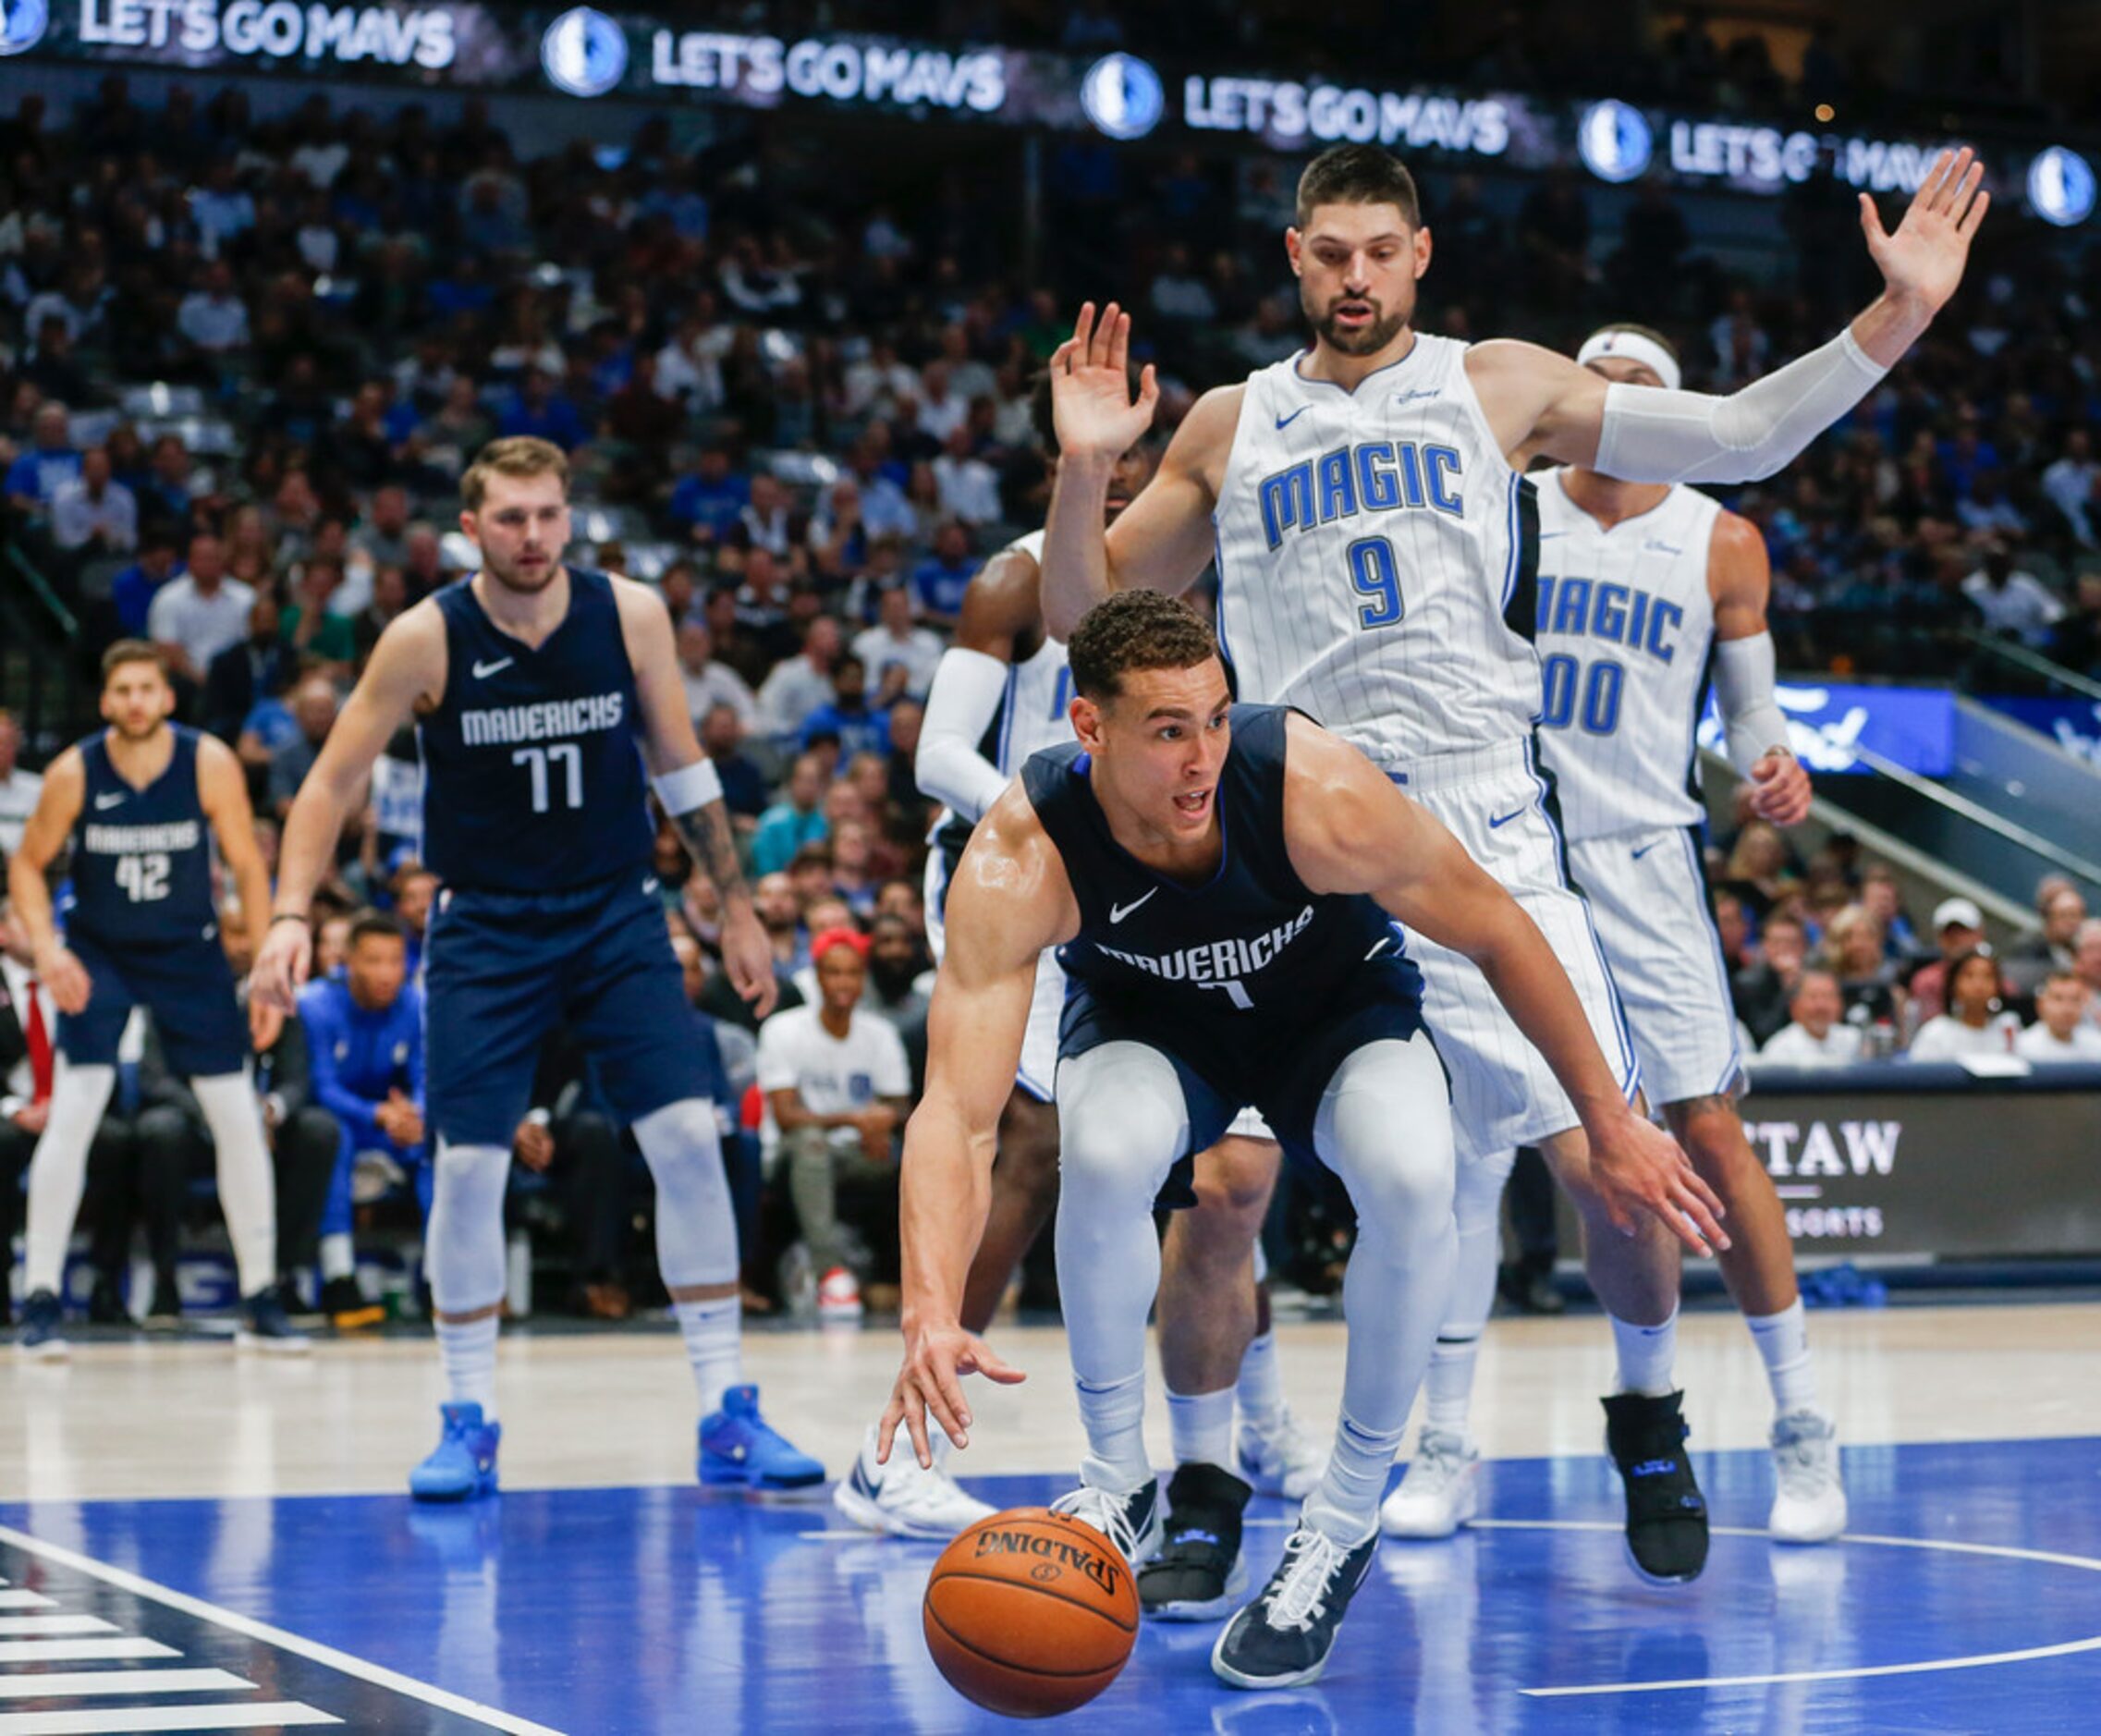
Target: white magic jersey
1625,626
1035,711
1374,559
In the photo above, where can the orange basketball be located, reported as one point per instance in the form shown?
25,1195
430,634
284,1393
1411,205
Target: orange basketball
1031,1613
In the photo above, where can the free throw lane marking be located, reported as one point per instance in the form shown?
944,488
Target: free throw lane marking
62,1684
124,1721
311,1650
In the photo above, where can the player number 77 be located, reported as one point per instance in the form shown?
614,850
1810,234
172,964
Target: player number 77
536,759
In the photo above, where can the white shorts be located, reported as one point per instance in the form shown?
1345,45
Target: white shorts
1649,901
1037,1075
1495,803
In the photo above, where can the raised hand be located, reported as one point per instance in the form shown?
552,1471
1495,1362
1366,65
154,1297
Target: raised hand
1091,402
1922,260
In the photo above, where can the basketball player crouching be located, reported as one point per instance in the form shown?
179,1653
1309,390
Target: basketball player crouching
1213,874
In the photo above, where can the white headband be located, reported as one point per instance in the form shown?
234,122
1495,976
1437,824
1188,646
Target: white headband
1630,347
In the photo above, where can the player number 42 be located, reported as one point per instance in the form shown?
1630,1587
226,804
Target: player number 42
566,757
144,878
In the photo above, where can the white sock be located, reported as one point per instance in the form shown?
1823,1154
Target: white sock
338,1257
59,1171
468,1353
1259,1392
1115,1420
1202,1424
713,1346
1646,1356
1345,1506
247,1186
1448,1387
1783,1342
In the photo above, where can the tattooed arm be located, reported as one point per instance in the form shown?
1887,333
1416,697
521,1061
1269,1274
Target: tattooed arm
690,792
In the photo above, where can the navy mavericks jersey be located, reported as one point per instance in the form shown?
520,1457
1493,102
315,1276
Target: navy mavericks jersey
1252,940
143,858
532,777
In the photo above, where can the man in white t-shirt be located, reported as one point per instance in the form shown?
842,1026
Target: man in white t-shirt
2063,1030
710,683
198,615
837,1087
1817,1037
893,644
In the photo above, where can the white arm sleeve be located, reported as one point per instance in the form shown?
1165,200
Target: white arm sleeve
965,697
1743,686
1653,435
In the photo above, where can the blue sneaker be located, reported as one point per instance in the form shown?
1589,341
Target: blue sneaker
462,1467
739,1449
42,1335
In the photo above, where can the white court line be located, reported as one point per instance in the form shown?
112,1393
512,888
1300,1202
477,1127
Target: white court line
80,1651
23,1626
67,1684
25,1600
310,1649
2001,1551
124,1721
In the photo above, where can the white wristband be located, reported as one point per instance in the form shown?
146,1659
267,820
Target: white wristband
688,788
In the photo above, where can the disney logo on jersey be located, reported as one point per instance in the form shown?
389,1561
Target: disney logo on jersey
1220,964
1605,609
1376,476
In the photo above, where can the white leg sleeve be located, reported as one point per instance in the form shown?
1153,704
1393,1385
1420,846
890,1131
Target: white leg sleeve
247,1186
696,1224
1477,1204
1122,1123
466,1230
1384,1127
59,1171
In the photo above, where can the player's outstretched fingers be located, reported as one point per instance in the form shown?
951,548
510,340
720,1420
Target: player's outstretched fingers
1083,334
1102,346
1120,345
984,1362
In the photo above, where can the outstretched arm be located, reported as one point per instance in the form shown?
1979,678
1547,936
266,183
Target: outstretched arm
687,785
1349,830
1010,900
1540,403
406,665
1163,541
1003,602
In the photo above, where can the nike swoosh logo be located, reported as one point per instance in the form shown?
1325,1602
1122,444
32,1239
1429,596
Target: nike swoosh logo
484,670
650,883
1644,851
1546,536
1505,819
1118,911
1285,421
109,801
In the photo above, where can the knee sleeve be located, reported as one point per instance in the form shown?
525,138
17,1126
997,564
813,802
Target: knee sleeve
1385,1128
1122,1124
696,1224
466,1257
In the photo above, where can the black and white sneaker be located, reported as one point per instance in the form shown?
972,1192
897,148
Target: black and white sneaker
1199,1570
1130,1521
1283,1638
1666,1515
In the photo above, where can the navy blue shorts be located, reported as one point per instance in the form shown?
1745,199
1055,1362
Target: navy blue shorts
1229,1064
502,969
189,990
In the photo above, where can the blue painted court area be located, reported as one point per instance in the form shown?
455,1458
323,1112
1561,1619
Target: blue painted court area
1968,1598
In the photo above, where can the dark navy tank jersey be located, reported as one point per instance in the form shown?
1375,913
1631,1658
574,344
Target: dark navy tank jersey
1249,949
533,776
141,857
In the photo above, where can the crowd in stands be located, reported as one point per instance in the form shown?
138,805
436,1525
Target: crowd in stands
243,362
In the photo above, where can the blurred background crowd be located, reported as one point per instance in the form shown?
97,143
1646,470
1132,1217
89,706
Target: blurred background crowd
244,358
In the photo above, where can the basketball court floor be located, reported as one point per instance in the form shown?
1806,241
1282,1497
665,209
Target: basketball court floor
196,1540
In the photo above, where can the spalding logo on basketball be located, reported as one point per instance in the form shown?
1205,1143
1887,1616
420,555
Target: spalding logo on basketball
1031,1613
